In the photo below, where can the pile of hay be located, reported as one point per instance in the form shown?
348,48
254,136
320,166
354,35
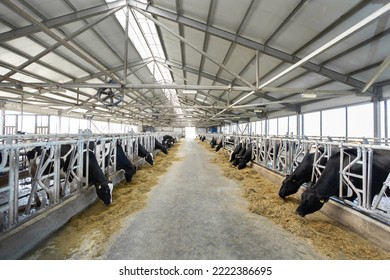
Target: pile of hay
325,235
85,236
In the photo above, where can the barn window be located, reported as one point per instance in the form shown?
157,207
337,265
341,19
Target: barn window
273,127
333,122
283,126
292,125
360,120
311,125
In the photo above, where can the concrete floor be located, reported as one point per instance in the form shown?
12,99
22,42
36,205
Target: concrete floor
197,213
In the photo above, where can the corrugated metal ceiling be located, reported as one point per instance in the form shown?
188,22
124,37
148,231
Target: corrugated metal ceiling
57,54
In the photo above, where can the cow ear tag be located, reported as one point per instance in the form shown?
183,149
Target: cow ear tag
322,201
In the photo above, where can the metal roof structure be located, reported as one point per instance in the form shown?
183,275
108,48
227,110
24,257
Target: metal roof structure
191,63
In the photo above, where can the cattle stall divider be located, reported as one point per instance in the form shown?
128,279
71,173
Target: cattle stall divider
29,191
282,154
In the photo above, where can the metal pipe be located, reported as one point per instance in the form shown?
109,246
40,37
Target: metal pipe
181,38
126,46
385,63
60,41
257,68
129,86
326,46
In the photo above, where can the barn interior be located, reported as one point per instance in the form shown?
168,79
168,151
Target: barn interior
191,64
128,70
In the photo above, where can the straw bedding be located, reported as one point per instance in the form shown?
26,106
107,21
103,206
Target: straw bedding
86,235
325,235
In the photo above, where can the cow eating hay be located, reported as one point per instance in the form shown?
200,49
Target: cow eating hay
327,236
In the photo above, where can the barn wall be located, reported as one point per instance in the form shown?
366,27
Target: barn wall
179,130
201,130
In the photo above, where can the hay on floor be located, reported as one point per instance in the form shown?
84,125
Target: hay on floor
325,235
86,235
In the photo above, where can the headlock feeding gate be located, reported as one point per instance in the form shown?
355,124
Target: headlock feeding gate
27,191
283,154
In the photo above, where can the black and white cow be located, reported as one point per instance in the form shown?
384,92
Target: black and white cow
142,152
3,159
302,174
160,146
327,185
235,151
213,142
123,163
219,146
247,157
168,141
242,152
96,176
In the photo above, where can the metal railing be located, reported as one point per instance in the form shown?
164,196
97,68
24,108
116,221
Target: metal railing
26,193
283,154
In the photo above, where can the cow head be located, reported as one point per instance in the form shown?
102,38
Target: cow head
164,149
129,173
290,185
311,202
242,164
104,192
33,159
149,158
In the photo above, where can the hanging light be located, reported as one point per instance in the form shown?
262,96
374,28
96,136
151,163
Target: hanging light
189,91
309,95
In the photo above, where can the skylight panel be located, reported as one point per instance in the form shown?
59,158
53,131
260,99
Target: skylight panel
143,34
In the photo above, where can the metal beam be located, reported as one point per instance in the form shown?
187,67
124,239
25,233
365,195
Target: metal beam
129,86
153,10
182,39
57,38
324,47
193,71
285,21
377,73
124,79
166,86
141,63
62,20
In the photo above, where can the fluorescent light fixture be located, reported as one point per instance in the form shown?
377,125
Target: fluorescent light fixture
258,111
308,95
190,91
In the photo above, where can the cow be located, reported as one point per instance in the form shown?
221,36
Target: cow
142,152
96,176
236,161
235,151
301,174
123,163
160,146
168,141
3,159
213,142
219,146
247,157
327,185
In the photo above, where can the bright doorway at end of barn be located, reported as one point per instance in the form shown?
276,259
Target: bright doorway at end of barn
190,132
